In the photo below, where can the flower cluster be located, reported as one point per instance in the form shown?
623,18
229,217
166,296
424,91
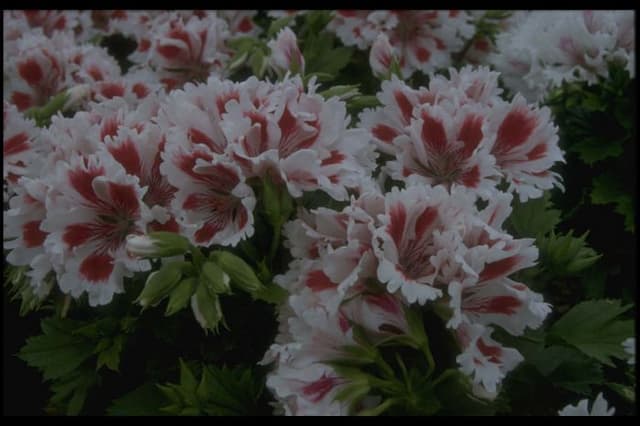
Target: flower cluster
547,48
422,40
361,265
459,132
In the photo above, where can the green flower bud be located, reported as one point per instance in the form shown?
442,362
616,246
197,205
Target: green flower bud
241,274
215,279
180,295
160,283
157,244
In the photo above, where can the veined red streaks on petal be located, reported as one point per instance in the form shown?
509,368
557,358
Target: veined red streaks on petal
499,268
318,281
384,133
124,199
16,144
471,134
32,236
505,305
126,154
514,130
97,268
433,133
397,220
406,107
81,181
425,220
31,72
317,390
491,352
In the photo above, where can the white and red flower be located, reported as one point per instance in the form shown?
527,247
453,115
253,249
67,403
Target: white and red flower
92,207
484,359
285,53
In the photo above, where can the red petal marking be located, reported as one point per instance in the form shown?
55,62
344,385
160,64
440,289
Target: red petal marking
221,101
242,217
261,120
519,287
386,302
500,268
169,51
245,25
96,268
335,157
75,235
454,13
537,152
471,134
406,108
119,14
482,45
144,45
30,71
321,387
187,161
440,45
32,235
140,90
197,136
433,133
422,54
425,220
95,73
471,178
111,90
109,128
398,217
506,305
515,129
384,133
169,226
81,180
207,232
343,322
181,35
16,144
492,352
124,199
318,281
127,155
21,100
348,13
194,201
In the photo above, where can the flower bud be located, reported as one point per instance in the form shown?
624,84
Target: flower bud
157,244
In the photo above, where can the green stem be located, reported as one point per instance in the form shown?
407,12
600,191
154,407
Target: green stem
197,256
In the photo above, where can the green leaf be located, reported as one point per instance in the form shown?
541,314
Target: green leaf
343,92
180,295
566,255
242,275
593,327
535,217
627,392
71,391
110,357
145,400
607,190
278,24
56,352
455,396
567,368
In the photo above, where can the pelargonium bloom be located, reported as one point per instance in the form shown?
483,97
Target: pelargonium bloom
92,207
212,202
285,53
486,360
598,408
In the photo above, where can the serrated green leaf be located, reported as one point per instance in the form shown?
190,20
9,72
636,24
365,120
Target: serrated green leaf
110,356
627,392
607,190
71,391
145,400
535,217
593,328
566,255
57,351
